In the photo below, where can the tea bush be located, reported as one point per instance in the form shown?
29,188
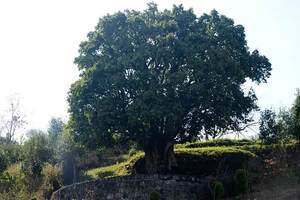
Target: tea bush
217,190
241,181
154,195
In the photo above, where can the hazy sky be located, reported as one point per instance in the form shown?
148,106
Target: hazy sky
39,40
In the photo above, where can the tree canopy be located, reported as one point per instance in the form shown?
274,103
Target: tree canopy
295,115
156,77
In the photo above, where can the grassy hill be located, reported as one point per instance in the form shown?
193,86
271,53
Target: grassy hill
271,169
201,158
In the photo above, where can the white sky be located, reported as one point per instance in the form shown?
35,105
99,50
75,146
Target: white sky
39,40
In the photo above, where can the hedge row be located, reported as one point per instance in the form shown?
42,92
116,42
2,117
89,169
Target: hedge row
217,142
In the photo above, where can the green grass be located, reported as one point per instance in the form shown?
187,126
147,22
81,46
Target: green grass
198,156
212,151
118,169
217,142
194,157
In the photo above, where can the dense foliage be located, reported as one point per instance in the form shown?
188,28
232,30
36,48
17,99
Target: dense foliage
268,128
295,115
34,167
159,77
36,152
3,162
281,126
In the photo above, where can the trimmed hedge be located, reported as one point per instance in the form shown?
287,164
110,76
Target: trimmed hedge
205,161
217,142
211,160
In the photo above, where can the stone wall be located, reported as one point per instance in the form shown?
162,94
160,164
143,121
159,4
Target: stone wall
137,188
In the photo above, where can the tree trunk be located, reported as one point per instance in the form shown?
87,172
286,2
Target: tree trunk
160,158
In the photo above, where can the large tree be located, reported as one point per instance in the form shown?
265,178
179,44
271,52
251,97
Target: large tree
160,77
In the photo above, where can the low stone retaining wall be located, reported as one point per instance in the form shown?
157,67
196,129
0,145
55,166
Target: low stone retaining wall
137,188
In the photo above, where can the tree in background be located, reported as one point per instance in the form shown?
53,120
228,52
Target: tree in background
268,129
157,78
68,151
13,119
36,152
295,115
33,132
281,126
55,129
284,124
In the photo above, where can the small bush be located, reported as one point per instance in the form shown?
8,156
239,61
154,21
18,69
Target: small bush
36,153
12,187
132,151
154,195
52,177
12,152
241,181
218,190
3,162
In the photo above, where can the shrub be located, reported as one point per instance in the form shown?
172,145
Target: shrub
218,190
132,151
206,161
216,143
241,181
52,177
6,182
154,195
12,152
36,153
3,162
12,187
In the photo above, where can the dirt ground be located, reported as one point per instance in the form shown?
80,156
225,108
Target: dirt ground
277,187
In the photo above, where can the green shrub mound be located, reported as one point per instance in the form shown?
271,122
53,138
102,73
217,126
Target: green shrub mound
154,195
241,181
205,161
217,142
211,160
265,151
217,190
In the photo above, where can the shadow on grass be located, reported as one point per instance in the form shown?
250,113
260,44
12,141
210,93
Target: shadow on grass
105,174
84,177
